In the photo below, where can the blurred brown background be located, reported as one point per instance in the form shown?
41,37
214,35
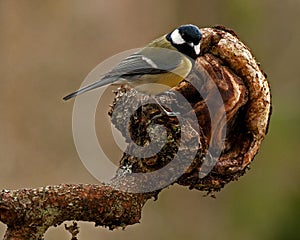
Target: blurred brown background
48,47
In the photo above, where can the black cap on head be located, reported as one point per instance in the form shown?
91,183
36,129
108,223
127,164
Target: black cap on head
186,39
190,33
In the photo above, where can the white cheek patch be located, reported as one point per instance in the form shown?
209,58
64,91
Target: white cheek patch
176,37
197,49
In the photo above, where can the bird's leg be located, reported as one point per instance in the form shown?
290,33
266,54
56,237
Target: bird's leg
171,94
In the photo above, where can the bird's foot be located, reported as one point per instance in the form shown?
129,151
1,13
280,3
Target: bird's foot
165,112
169,113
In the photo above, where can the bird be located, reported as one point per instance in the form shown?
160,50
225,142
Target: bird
157,67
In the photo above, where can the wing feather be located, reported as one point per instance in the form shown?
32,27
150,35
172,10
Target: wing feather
150,60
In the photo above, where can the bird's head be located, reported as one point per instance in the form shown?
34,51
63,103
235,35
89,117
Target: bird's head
186,39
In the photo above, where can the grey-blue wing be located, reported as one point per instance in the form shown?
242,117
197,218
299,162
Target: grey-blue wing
148,61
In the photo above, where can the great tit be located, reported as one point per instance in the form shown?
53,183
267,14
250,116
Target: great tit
166,68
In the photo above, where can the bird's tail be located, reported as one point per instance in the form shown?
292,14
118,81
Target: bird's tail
102,82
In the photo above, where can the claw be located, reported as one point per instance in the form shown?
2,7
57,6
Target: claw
169,113
165,111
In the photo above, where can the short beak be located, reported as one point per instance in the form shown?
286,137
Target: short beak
197,49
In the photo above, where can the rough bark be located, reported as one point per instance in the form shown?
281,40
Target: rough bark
28,213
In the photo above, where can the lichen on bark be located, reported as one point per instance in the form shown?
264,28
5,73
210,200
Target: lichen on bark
229,64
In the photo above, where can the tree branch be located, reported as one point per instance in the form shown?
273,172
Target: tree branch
28,213
245,93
